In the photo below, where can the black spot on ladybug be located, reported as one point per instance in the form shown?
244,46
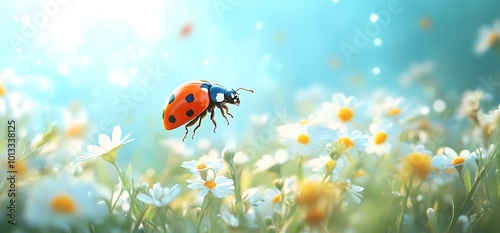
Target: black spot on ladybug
171,119
190,113
163,115
190,98
172,98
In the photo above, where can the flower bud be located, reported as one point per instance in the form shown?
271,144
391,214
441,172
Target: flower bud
463,223
228,156
278,184
271,229
269,221
431,213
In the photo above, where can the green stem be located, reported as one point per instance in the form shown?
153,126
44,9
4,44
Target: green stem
282,203
132,205
130,192
289,222
162,218
300,172
114,204
204,207
237,188
141,218
327,174
482,173
239,209
498,175
407,195
496,154
91,228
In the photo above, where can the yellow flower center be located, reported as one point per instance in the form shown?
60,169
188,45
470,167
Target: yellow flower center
380,138
420,164
347,142
277,198
331,164
303,139
309,193
304,122
210,184
457,161
394,111
315,216
345,114
493,39
19,166
2,90
201,166
75,130
63,204
346,186
360,173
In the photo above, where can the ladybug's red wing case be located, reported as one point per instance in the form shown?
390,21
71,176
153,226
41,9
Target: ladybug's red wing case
184,104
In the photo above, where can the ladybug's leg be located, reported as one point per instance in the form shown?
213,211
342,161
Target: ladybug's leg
219,106
212,117
201,116
227,109
189,125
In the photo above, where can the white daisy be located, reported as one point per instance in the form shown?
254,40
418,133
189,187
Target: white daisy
452,159
198,166
220,187
107,147
470,104
488,38
340,113
269,202
394,109
253,196
384,134
63,202
301,138
352,190
229,219
325,162
489,121
443,173
267,161
352,141
273,196
159,196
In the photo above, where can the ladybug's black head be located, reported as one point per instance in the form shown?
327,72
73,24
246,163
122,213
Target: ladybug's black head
231,97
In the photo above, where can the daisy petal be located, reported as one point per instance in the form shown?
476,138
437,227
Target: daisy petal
117,134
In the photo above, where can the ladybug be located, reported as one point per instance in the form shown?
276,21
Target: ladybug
192,101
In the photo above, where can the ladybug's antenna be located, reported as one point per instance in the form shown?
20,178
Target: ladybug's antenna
244,89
